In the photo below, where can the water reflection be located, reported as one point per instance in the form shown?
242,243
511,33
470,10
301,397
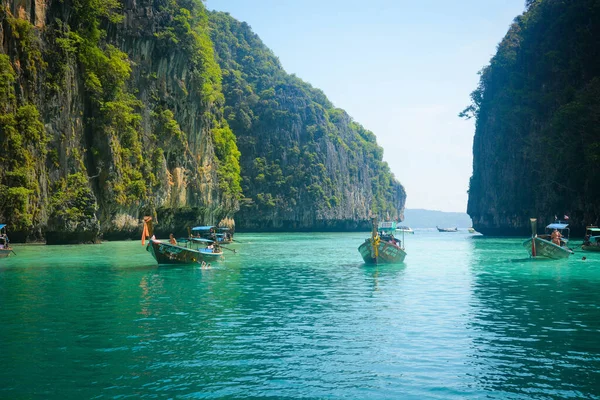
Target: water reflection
535,323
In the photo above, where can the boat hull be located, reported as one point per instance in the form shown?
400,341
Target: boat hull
590,248
387,253
547,249
165,253
5,253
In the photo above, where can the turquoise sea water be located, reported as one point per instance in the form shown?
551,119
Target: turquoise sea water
300,316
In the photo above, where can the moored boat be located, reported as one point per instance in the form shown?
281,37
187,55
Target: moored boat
167,253
446,229
553,244
5,249
591,242
471,230
382,247
218,234
405,229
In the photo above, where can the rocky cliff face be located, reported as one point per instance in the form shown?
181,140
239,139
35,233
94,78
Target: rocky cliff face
537,139
306,165
110,111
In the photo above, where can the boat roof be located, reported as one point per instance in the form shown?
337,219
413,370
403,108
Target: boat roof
203,228
2,226
384,225
202,240
557,225
594,229
223,229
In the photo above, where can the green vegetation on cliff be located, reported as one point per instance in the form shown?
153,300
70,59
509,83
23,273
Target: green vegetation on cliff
303,160
127,104
111,110
537,110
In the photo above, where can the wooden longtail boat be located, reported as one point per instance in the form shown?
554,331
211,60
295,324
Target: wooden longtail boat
382,247
542,245
219,234
166,253
447,229
591,242
5,249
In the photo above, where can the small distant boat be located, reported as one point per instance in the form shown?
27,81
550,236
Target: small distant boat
446,229
382,247
591,242
167,253
405,229
549,245
5,249
471,230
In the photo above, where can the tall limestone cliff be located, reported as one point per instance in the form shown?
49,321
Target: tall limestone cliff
306,165
537,142
111,110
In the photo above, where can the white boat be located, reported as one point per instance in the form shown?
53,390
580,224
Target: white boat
553,244
405,229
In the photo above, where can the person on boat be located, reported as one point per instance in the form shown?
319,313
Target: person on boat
210,247
555,236
172,240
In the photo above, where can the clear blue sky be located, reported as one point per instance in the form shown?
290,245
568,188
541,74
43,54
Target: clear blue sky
403,69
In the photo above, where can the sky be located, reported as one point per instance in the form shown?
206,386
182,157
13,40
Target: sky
402,69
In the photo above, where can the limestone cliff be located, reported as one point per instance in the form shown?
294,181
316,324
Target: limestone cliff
306,165
537,139
110,111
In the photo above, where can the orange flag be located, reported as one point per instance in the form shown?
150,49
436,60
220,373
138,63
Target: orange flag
146,231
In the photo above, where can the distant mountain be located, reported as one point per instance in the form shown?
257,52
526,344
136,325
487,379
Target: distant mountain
419,218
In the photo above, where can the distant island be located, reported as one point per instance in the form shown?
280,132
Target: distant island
420,218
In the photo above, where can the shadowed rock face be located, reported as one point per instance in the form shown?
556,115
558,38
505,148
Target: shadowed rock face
537,141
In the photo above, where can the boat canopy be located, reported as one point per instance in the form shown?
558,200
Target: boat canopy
594,229
2,226
386,225
557,225
223,229
202,240
203,228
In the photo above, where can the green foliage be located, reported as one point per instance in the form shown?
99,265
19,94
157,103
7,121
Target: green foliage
7,80
73,200
287,131
28,47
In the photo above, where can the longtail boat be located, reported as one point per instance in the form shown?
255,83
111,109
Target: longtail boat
382,247
5,249
447,229
553,244
218,234
591,242
167,253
